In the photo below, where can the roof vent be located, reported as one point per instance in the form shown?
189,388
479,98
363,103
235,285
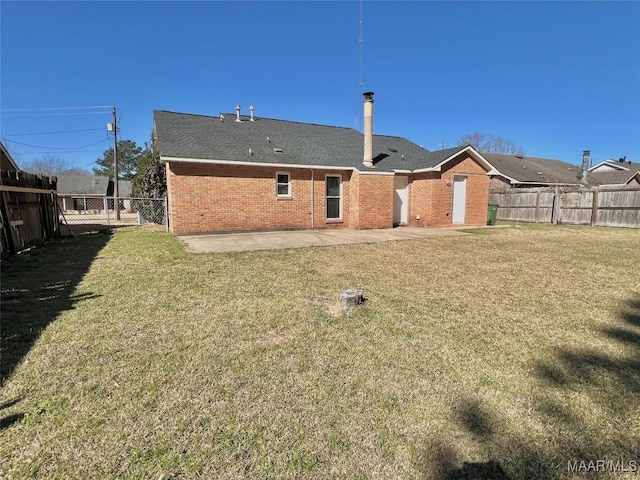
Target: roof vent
394,150
221,117
519,155
252,119
277,150
238,107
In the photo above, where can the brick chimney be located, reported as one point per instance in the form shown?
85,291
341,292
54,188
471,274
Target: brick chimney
368,129
586,160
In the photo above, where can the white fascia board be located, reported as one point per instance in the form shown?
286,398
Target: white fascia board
250,164
491,170
551,184
609,163
511,180
401,171
637,174
366,172
265,164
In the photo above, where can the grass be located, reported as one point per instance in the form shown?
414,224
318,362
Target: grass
488,356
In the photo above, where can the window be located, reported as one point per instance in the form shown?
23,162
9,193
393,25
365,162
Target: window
283,184
333,186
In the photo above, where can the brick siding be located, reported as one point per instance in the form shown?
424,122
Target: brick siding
206,198
431,195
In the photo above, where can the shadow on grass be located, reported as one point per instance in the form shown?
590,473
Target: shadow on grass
37,286
576,387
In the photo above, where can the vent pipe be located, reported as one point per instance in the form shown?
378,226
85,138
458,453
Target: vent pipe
586,160
251,112
238,107
368,129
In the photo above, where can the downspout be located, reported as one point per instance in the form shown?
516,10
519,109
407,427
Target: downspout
313,216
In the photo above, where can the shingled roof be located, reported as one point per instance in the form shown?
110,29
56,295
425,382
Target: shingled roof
91,185
532,170
616,173
83,185
183,136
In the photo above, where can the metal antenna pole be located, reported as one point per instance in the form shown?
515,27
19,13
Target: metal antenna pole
116,190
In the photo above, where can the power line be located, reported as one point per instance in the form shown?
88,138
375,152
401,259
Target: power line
51,114
50,133
45,153
57,148
52,108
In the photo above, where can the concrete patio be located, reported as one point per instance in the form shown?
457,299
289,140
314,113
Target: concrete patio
238,242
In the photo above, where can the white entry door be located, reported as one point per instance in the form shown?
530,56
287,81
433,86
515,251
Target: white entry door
400,200
459,198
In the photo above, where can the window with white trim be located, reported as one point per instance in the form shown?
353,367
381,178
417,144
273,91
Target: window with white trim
283,184
333,197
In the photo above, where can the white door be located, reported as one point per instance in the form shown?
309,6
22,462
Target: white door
459,198
400,200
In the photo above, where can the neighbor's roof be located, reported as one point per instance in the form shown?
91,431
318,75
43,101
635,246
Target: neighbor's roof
266,140
616,173
91,185
83,184
534,170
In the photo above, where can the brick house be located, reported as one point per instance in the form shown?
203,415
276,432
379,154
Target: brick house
236,173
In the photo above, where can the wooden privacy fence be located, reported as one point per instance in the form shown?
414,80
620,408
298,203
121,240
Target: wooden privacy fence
28,213
610,207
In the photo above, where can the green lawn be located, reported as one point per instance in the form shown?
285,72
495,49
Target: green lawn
502,355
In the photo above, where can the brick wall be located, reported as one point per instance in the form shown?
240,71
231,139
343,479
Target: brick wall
205,198
431,195
375,194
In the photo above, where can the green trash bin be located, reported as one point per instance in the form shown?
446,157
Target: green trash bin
492,214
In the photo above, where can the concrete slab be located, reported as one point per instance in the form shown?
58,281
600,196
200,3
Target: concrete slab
238,242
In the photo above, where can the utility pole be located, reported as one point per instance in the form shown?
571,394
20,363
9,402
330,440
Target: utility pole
116,190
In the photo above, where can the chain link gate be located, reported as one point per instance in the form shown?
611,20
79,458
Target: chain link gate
82,213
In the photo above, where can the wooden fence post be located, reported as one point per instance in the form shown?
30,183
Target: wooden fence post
537,219
9,228
594,207
555,211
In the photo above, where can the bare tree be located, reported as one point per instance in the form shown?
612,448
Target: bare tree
487,142
51,166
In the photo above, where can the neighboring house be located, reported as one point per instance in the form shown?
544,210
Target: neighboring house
519,171
618,173
239,173
90,193
6,160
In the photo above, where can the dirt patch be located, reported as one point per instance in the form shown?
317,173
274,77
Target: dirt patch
332,306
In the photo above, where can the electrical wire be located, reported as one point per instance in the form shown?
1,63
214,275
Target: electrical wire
57,148
52,108
51,153
51,114
50,133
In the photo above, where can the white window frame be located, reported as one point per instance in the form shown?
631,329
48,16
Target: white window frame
289,184
326,198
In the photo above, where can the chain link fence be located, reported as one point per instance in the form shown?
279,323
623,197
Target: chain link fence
82,213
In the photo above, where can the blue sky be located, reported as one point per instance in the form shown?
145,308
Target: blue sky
555,77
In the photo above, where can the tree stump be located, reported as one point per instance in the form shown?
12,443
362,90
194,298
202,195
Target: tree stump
351,298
